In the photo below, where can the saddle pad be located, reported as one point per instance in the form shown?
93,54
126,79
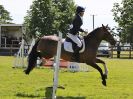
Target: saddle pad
68,46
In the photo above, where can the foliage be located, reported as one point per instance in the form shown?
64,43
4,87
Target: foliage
14,84
4,16
123,14
47,17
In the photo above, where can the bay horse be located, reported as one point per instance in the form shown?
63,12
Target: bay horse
46,47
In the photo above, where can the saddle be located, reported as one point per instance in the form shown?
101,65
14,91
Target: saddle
69,45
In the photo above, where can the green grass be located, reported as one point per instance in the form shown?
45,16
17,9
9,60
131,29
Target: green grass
14,84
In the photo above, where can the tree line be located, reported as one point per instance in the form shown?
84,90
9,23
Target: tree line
4,15
46,17
123,15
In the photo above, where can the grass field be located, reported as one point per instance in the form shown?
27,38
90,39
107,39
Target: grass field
14,84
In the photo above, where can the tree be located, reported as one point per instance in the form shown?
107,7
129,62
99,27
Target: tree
47,17
4,16
123,15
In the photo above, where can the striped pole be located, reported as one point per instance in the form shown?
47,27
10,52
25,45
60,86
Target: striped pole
56,66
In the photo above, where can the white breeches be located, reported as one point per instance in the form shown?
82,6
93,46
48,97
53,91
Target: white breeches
75,39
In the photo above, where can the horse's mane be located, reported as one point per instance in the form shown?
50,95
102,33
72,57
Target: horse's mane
93,33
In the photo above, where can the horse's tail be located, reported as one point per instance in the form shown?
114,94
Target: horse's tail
32,58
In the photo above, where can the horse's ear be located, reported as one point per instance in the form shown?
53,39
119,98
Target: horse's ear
103,26
107,26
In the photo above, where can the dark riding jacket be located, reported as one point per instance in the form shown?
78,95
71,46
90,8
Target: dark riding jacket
77,23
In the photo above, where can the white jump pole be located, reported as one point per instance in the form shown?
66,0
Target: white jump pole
22,50
19,60
22,53
56,67
31,46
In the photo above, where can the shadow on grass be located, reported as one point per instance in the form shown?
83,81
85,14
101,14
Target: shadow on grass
48,94
24,95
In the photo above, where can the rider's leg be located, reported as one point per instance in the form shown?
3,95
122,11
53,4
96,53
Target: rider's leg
75,38
75,56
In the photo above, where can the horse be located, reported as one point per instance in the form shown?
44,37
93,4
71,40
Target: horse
46,47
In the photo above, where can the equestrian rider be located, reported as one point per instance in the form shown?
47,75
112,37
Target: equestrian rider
74,31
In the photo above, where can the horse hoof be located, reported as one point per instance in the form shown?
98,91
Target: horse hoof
104,83
26,72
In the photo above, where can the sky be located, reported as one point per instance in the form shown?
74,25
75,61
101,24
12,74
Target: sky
100,8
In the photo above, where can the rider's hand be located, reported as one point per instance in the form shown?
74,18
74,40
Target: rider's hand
85,32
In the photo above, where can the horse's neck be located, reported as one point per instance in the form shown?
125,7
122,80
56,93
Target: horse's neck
93,41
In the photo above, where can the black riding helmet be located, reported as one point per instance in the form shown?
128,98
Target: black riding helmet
80,9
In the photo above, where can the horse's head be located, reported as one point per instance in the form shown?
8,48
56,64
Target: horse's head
107,35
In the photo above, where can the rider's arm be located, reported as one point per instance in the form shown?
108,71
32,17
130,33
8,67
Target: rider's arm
77,22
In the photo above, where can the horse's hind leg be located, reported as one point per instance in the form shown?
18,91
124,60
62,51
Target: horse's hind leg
105,67
100,70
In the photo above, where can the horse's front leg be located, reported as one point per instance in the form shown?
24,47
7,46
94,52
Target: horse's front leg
104,65
100,70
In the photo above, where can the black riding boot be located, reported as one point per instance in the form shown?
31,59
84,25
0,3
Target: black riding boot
75,56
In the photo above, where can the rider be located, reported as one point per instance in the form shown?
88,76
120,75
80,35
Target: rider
74,31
